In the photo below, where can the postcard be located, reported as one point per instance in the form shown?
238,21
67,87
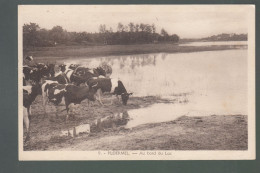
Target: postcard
136,82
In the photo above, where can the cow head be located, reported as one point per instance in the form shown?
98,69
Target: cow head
62,67
29,58
43,70
51,69
99,71
73,66
125,97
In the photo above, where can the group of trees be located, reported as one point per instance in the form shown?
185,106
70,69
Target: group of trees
34,36
227,37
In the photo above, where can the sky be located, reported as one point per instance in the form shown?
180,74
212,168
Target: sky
187,21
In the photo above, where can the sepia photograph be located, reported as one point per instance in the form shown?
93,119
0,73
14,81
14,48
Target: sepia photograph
136,82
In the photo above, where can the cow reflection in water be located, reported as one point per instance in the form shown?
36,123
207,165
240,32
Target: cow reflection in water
112,121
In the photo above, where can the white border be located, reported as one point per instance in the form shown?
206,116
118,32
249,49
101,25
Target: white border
175,155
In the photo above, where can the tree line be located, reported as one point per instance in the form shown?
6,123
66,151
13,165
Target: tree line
227,37
35,36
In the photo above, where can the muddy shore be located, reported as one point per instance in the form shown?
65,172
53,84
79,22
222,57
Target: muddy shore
215,132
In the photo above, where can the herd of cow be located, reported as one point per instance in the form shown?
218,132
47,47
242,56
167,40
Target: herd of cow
69,85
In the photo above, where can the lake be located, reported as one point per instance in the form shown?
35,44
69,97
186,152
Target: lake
211,82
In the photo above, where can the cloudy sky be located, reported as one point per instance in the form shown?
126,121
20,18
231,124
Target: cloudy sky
183,20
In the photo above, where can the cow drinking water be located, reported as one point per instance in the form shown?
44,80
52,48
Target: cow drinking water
113,86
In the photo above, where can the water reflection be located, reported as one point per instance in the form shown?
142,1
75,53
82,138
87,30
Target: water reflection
136,70
155,114
75,131
112,121
131,61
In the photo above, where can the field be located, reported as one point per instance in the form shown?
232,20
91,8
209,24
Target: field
217,131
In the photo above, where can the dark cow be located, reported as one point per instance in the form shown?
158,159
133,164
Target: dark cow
51,70
68,71
48,70
29,95
94,72
65,94
36,73
83,74
44,70
27,71
79,75
114,86
31,73
40,71
65,67
73,66
60,77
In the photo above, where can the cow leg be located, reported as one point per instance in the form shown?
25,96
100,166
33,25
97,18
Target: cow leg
67,109
27,123
89,103
67,116
112,99
118,99
71,110
29,112
98,96
44,102
58,110
79,109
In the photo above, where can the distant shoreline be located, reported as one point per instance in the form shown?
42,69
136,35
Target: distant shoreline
64,52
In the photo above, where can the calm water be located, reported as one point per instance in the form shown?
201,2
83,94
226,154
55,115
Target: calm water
216,82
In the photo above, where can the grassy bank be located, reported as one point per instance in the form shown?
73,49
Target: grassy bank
108,50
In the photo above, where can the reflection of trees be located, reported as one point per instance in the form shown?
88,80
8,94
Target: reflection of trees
133,61
154,60
148,60
122,62
143,60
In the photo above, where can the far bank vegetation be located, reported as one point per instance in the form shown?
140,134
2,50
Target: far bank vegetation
35,36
